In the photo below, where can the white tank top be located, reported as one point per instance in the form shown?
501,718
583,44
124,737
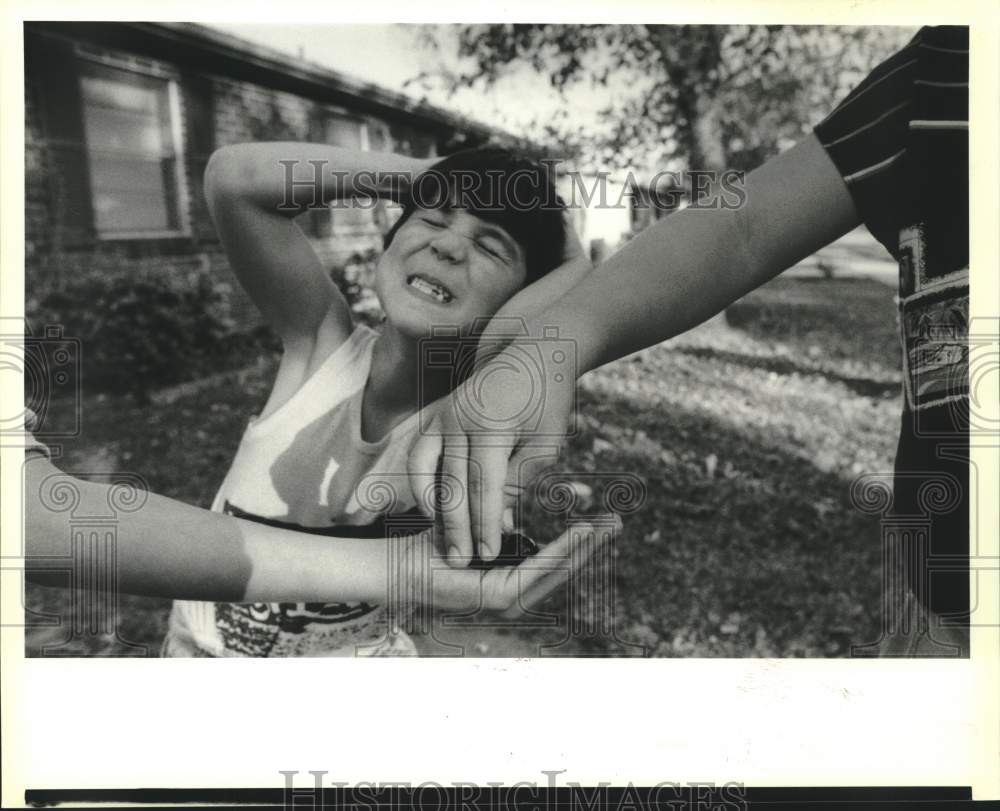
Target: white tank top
306,466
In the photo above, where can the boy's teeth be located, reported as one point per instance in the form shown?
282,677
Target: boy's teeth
430,289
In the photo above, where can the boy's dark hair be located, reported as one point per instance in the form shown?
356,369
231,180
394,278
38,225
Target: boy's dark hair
503,188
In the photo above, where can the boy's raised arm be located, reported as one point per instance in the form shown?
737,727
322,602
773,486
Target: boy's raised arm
671,277
254,192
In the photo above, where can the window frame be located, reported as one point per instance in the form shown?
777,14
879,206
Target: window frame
147,69
341,230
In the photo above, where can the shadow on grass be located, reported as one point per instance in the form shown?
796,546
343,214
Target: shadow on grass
863,386
850,320
763,557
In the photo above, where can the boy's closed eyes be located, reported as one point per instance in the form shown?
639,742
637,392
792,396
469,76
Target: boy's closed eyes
489,239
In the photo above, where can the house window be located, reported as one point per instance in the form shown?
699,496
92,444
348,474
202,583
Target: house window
346,132
132,136
343,220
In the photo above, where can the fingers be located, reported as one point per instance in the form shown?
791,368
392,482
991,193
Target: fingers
422,467
487,473
512,591
454,514
536,578
497,480
523,468
578,545
444,464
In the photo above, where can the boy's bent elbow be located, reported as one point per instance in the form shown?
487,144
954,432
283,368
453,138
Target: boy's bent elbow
234,172
224,173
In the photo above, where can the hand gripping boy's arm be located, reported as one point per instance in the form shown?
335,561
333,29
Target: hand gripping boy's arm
255,191
671,277
169,549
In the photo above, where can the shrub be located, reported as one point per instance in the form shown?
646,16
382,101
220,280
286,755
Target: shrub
356,279
137,334
145,327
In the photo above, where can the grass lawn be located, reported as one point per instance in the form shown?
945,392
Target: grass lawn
746,433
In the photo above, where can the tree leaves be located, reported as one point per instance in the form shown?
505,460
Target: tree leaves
712,96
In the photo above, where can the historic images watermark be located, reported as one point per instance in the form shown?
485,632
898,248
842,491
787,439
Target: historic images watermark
958,367
315,183
590,503
532,368
554,792
908,567
88,571
49,363
583,616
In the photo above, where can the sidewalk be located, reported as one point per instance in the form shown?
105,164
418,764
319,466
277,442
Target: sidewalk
855,255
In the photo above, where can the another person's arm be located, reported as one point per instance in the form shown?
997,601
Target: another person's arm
170,549
671,277
691,265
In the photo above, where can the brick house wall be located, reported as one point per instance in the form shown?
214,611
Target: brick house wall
223,96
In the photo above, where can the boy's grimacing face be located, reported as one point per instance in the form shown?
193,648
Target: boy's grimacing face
447,267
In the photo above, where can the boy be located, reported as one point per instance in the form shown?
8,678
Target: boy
334,435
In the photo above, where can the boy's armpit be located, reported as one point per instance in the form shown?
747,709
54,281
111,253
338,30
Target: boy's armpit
304,356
